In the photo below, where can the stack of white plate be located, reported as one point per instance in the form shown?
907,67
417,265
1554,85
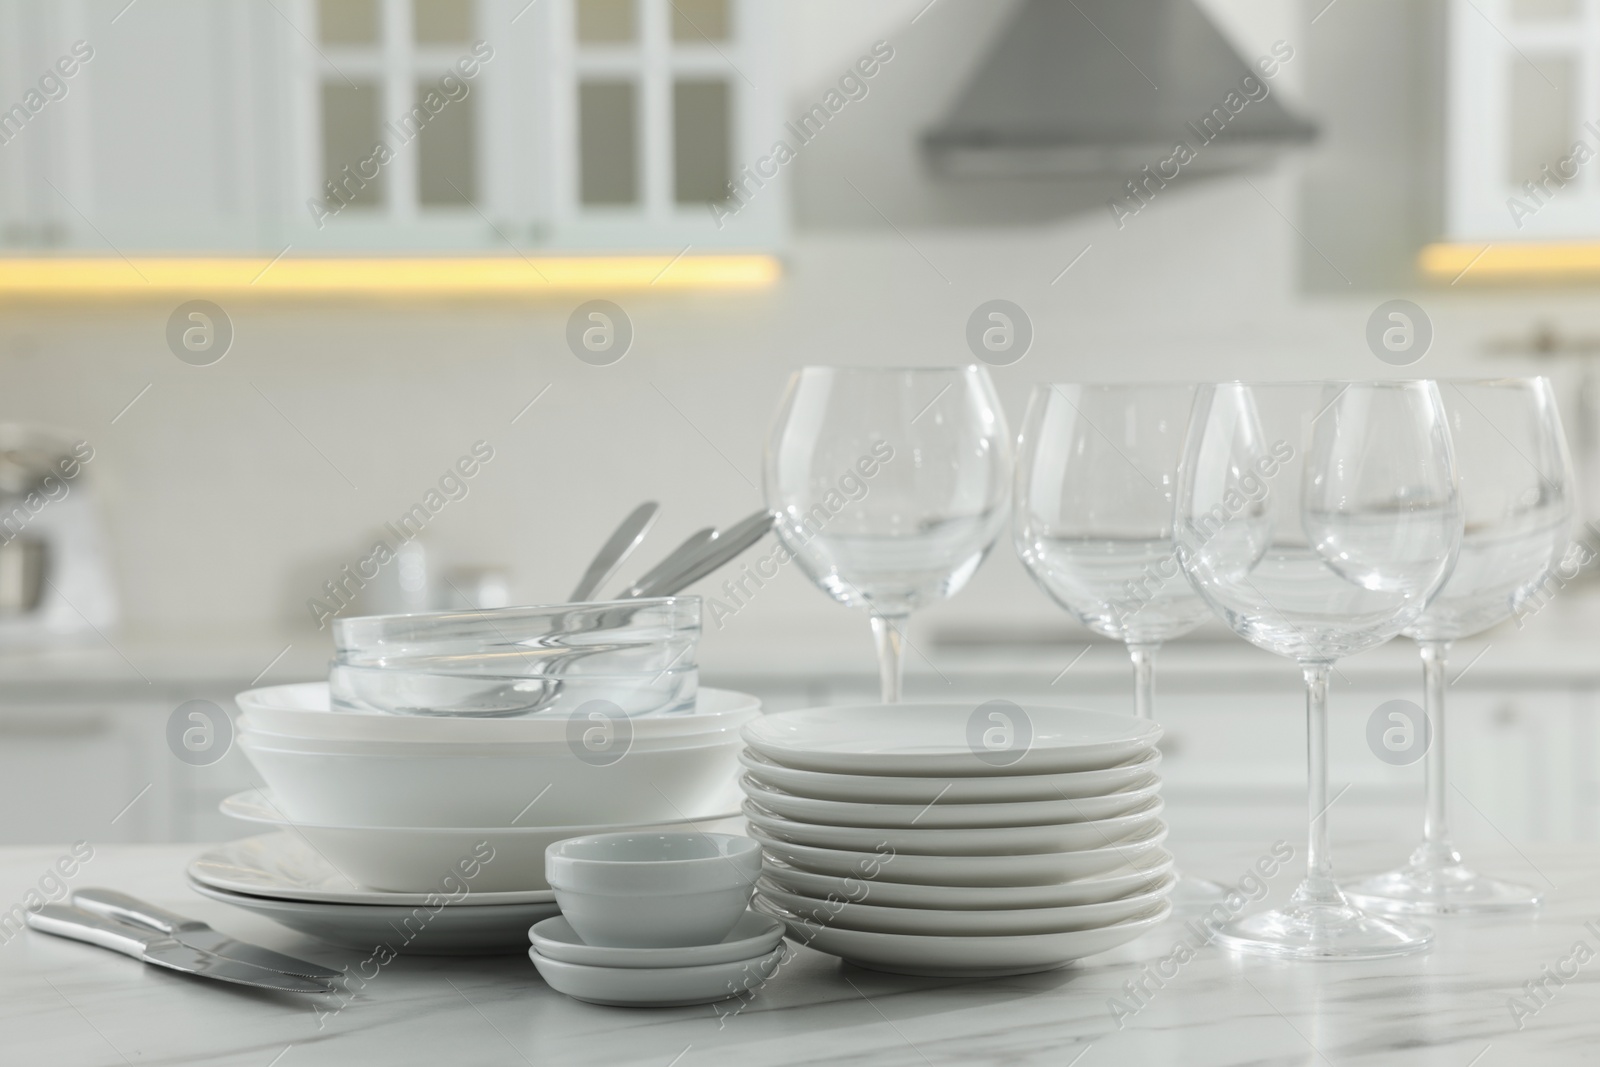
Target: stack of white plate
894,837
407,804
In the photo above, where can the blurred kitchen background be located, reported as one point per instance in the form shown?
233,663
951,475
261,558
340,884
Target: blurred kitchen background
942,153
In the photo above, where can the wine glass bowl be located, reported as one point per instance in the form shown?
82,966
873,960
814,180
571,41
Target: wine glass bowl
889,486
1516,499
1317,520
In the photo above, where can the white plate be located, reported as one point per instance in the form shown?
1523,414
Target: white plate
1036,869
961,740
962,957
420,859
1090,889
845,915
439,931
281,865
940,815
751,937
987,841
303,710
911,789
657,987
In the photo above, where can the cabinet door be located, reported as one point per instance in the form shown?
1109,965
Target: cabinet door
80,771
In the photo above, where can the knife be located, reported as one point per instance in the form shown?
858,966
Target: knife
151,947
111,904
616,549
688,550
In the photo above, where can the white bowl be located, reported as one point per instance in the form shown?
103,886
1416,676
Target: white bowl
554,785
429,859
653,889
752,936
998,922
303,710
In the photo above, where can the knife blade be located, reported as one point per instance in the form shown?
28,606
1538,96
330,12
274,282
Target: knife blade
192,932
162,951
688,550
616,549
727,546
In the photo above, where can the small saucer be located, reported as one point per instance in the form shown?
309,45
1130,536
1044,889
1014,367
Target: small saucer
657,987
752,936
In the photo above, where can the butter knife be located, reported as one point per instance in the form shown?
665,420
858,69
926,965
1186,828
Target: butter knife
154,948
192,932
725,547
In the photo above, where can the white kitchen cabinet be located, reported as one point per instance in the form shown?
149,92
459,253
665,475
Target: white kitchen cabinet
345,126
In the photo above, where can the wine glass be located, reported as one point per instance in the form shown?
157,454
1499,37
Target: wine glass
1516,497
1092,520
889,486
1316,520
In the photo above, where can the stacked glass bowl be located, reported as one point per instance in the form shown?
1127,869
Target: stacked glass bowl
638,655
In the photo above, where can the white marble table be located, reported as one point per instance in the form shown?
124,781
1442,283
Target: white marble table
66,1004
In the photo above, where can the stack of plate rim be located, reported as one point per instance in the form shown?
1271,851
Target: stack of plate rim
894,838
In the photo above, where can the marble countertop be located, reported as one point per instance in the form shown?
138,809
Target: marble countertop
68,1004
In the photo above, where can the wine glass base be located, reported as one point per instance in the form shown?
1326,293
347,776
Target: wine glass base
1322,932
1445,890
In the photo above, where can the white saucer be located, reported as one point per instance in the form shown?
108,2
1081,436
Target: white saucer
752,936
946,789
954,739
988,841
1090,889
442,931
281,865
657,987
961,957
940,814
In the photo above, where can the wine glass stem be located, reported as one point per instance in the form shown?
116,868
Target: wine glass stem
888,632
1436,847
1319,886
1144,678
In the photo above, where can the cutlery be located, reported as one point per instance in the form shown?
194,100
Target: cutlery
110,904
727,546
617,548
162,951
691,547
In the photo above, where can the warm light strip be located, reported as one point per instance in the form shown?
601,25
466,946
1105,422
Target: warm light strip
412,277
1510,262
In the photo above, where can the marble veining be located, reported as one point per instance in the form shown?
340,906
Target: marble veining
67,1004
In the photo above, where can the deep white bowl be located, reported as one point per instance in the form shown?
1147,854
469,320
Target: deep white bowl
653,889
532,785
428,859
303,710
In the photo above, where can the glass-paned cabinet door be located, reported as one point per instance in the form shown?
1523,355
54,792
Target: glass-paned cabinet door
1523,160
658,109
389,123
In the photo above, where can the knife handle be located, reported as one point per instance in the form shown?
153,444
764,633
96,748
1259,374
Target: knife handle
80,925
111,904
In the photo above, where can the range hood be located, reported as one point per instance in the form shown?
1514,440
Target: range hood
1083,87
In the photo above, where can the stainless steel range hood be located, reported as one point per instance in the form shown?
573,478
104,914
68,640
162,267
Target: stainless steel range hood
1109,86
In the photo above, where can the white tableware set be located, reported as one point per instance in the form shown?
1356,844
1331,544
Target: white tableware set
948,840
655,919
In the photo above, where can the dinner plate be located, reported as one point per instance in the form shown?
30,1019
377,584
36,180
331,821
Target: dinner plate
962,740
281,865
913,789
657,987
843,914
985,841
1030,869
950,956
447,930
1090,889
752,937
939,815
429,859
